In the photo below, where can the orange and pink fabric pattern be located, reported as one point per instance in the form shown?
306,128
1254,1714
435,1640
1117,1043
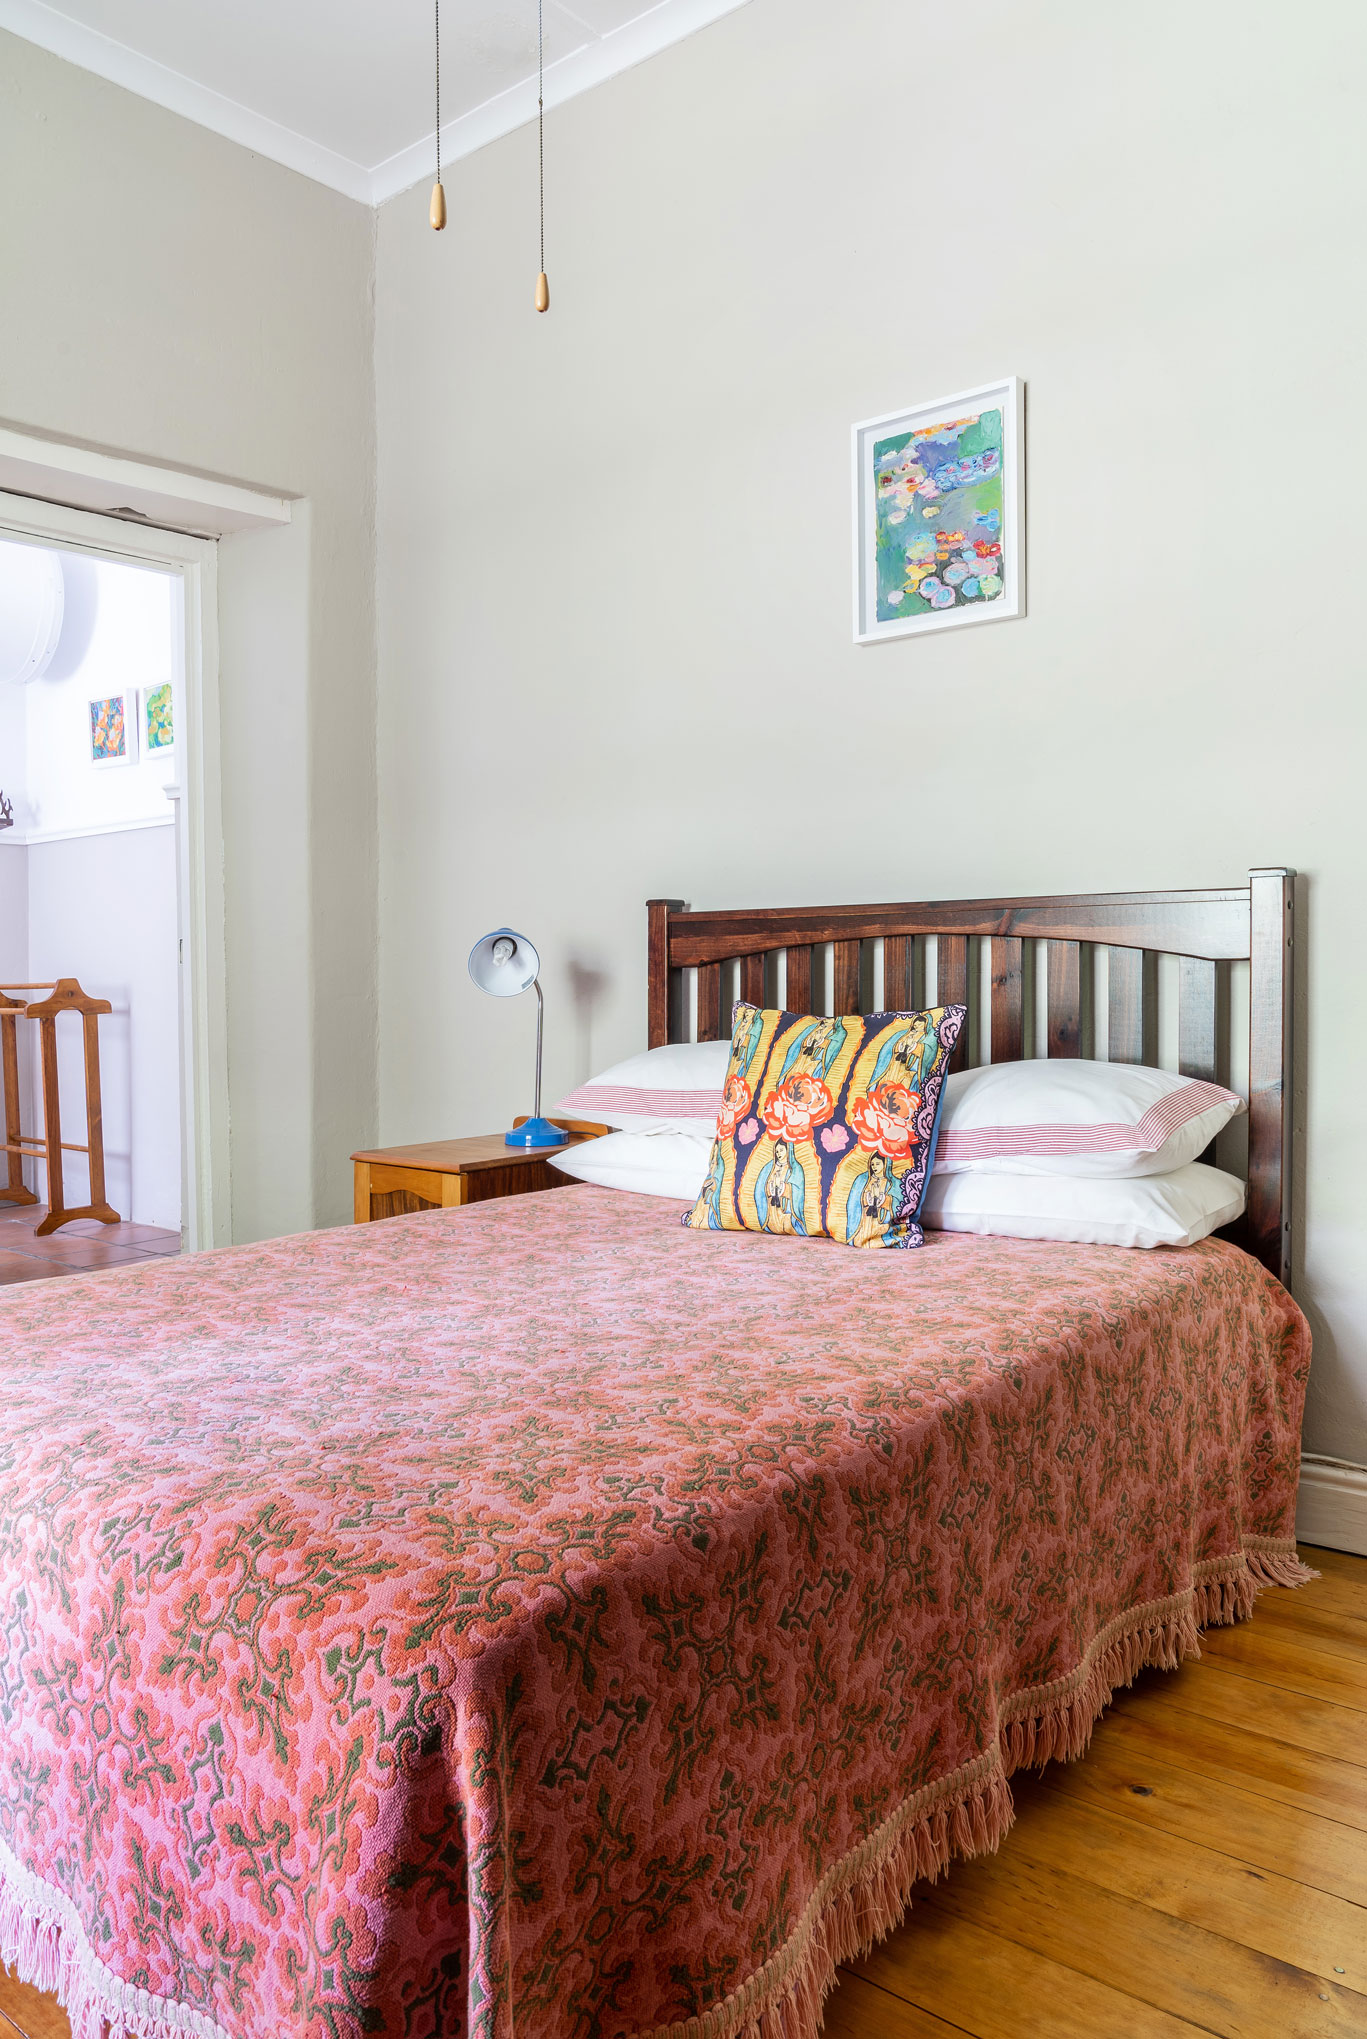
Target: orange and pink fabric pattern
542,1619
827,1126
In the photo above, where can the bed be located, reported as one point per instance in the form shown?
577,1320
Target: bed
540,1621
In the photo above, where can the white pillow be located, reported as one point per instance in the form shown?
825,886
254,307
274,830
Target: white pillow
668,1164
1077,1118
673,1089
1134,1210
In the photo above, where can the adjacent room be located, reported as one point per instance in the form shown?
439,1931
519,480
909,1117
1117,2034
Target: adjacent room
88,903
683,1263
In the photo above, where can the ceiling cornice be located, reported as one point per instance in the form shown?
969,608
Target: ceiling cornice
666,23
91,51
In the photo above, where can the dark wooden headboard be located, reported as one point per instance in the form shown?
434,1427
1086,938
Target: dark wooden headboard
1095,990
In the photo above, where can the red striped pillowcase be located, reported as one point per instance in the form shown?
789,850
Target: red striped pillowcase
1078,1118
611,1100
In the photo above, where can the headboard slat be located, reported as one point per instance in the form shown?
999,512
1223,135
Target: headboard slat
709,1003
797,997
897,973
1125,1005
1008,1015
951,987
1065,998
1204,930
1196,1017
752,979
845,989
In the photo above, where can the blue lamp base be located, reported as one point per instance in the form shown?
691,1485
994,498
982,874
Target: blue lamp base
536,1133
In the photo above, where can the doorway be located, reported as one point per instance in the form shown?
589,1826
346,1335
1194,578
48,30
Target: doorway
106,660
88,891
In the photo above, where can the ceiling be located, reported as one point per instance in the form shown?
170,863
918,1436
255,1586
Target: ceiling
342,89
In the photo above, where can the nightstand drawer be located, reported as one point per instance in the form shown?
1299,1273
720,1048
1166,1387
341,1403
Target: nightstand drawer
515,1181
394,1192
424,1183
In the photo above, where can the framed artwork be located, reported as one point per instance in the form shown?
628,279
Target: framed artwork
158,720
939,514
113,730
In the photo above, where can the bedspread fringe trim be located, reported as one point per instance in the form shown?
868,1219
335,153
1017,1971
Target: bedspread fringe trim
868,1893
43,1939
862,1897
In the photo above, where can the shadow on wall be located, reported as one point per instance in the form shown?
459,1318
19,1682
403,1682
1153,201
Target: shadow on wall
588,986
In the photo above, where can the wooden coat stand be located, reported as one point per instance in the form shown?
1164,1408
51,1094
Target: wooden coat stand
67,996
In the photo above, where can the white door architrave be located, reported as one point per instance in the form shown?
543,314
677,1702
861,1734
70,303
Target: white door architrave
193,562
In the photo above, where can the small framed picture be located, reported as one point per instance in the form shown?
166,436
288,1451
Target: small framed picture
158,720
113,730
939,514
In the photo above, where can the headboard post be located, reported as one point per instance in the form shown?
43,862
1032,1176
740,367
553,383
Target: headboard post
1271,951
657,978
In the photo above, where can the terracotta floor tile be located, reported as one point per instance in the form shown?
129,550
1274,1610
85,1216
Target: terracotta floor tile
73,1254
78,1248
19,1233
154,1236
19,1267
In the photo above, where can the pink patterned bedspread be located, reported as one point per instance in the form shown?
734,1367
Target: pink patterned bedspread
539,1621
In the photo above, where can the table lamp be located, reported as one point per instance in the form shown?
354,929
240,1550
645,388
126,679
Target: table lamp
505,965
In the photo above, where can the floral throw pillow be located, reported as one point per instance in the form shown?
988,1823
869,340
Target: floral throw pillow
827,1126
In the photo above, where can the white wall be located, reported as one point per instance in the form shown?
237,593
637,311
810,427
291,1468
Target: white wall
13,909
616,653
13,932
172,296
13,739
116,639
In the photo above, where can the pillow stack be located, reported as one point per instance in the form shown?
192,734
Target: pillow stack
1101,1152
663,1106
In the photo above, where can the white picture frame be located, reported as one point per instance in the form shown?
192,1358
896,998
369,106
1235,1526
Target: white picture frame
150,701
898,495
98,729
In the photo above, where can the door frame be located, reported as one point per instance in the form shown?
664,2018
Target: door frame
198,801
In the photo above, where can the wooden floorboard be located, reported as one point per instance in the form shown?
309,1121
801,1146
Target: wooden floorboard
1237,1755
1337,1635
29,2012
859,2010
1183,1970
1203,1869
1292,1717
1342,1564
994,1986
1337,1591
1292,1665
1261,1908
1123,1776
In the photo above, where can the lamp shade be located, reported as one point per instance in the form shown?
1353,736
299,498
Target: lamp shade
504,964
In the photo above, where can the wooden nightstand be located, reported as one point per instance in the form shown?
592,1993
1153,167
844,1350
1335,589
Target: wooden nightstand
391,1181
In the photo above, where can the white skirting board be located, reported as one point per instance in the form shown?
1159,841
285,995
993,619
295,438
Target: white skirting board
1332,1508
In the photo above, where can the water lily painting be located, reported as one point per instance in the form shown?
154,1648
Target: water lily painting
158,725
113,734
939,530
